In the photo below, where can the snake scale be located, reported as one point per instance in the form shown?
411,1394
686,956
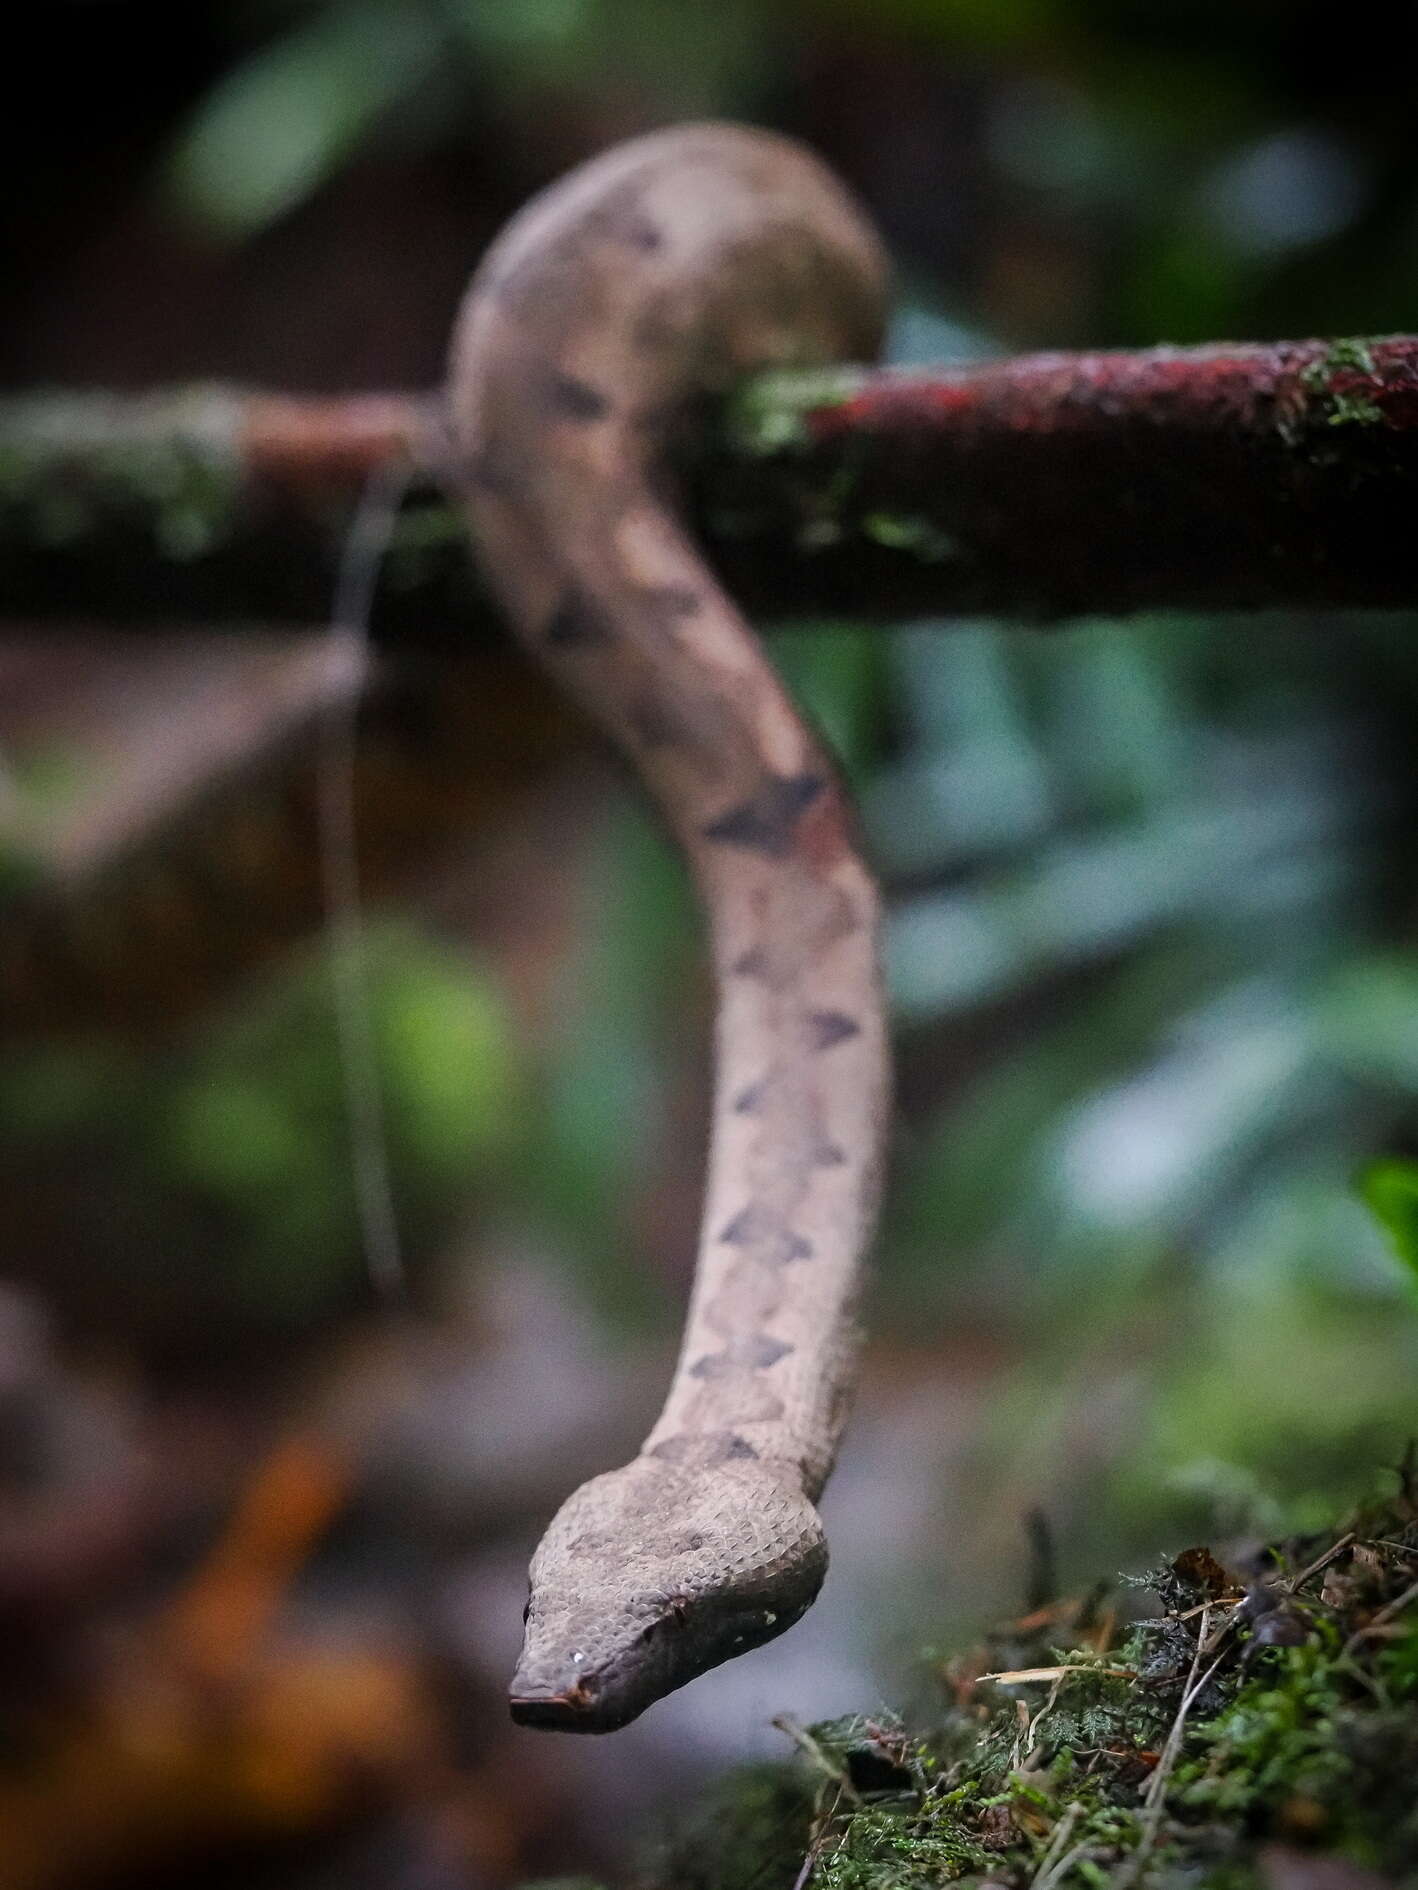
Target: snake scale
611,306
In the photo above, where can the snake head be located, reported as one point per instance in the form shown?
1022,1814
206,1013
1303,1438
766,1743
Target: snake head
652,1574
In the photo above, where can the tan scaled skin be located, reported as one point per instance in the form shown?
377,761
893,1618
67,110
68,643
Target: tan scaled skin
652,276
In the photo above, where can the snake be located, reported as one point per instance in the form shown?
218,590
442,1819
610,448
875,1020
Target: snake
611,308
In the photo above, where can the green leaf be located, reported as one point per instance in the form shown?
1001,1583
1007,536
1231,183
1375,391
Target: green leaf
837,671
448,1063
274,129
1390,1189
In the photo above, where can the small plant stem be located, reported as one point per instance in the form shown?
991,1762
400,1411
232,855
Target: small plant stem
1057,1839
1382,1618
1155,1802
1335,1549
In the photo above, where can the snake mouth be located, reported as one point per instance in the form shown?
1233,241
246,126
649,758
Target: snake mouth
553,1709
577,1709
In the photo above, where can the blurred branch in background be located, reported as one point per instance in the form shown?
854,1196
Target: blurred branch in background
1046,485
181,850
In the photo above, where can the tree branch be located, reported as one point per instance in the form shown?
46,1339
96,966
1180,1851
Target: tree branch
1044,486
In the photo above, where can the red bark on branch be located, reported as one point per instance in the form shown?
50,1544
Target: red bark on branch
312,445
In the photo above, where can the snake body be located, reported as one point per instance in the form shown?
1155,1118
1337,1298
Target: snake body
654,275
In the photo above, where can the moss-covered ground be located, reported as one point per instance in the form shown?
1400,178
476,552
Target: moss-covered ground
1208,1724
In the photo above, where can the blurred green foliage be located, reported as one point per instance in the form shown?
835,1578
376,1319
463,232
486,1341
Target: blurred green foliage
1170,847
1222,169
245,1134
277,125
345,74
1391,1189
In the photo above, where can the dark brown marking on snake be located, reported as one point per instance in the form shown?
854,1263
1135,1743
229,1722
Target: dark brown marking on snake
754,1354
668,604
765,822
704,1448
578,622
755,1223
713,1365
748,1224
829,1028
622,219
575,398
765,1350
828,1155
750,964
641,233
676,1449
749,1101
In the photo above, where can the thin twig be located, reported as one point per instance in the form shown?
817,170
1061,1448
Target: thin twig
1336,1548
1157,1784
1065,1864
1220,1632
339,867
1022,1723
1155,1801
1382,1618
1031,1735
808,1866
1027,1676
822,1824
1058,1837
1217,1601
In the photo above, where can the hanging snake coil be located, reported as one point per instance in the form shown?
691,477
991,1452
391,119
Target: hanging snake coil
657,274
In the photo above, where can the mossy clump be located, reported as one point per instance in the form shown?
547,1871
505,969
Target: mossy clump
1254,1720
73,468
768,414
1330,380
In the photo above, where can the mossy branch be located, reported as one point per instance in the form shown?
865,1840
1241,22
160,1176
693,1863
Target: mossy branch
1042,486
